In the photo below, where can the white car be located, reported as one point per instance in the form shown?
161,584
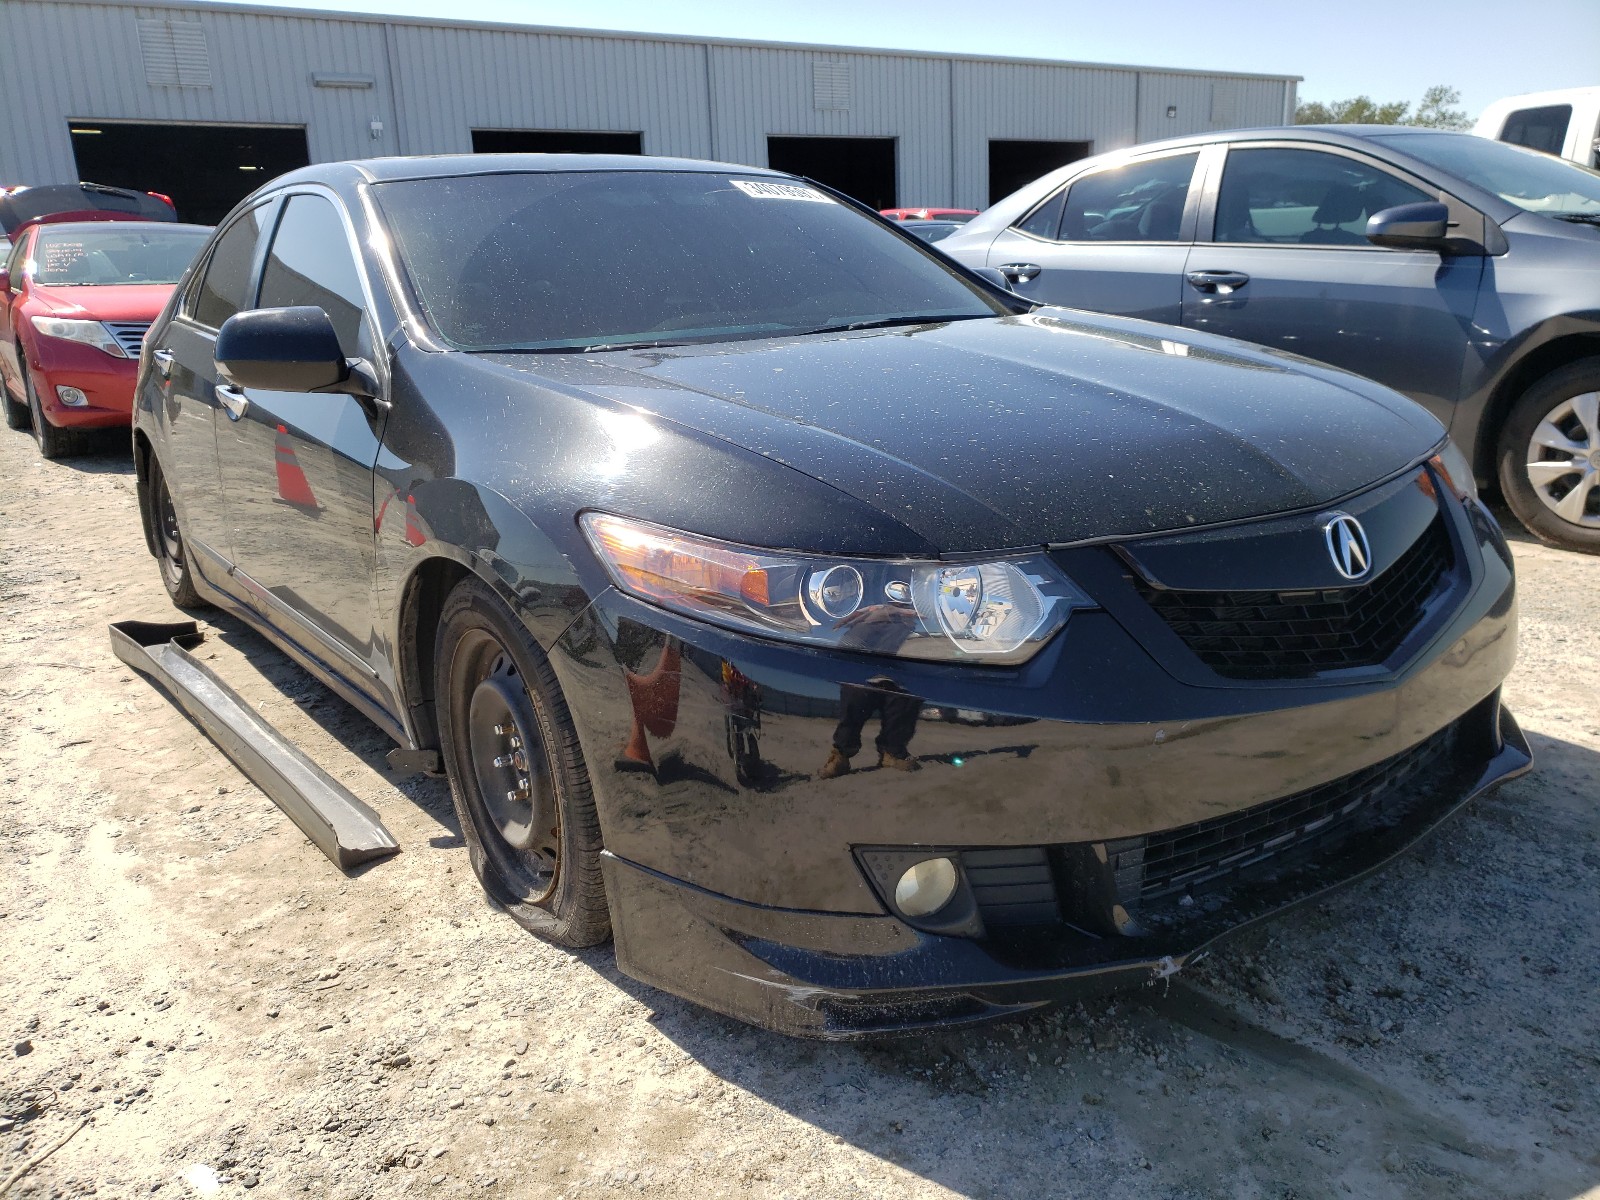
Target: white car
1565,123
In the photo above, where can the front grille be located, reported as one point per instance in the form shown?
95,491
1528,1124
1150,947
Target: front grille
129,335
1294,635
1190,856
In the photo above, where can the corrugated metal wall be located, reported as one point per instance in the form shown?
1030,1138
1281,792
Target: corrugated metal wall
430,85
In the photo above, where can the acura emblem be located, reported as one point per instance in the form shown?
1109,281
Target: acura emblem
1347,546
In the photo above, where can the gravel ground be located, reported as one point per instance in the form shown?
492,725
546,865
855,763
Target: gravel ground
230,1014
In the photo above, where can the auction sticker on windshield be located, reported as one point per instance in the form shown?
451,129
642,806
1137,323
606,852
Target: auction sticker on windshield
778,191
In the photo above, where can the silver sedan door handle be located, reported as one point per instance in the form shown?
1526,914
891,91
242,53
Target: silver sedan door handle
232,399
1020,272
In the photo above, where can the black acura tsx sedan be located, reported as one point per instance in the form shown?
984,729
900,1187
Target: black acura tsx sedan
863,646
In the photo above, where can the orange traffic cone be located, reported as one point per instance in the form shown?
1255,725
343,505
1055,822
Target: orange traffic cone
655,708
293,487
415,534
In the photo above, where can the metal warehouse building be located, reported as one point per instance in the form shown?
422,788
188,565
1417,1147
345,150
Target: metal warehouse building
203,101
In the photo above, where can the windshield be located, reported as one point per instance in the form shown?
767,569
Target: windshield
611,259
125,252
1526,178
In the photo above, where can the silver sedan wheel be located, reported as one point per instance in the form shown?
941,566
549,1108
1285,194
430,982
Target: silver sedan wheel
1564,460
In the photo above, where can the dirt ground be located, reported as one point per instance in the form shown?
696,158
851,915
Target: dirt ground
232,1014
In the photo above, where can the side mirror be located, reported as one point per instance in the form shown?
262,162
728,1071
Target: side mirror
1424,226
284,350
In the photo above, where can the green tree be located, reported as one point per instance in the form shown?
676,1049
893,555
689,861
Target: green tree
1437,111
1359,110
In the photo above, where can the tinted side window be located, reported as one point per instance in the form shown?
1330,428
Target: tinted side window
225,289
311,263
1539,128
1303,197
1139,202
1044,220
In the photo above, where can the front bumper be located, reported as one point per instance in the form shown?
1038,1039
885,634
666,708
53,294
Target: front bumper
840,976
107,383
731,861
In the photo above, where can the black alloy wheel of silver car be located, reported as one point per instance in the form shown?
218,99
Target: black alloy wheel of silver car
54,442
1550,457
521,792
170,555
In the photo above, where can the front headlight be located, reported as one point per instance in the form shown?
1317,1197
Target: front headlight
1457,471
998,612
90,333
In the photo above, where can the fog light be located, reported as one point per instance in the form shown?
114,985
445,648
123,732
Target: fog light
926,887
72,397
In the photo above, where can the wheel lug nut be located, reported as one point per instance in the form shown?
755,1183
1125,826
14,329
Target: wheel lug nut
505,760
522,784
502,730
513,797
516,743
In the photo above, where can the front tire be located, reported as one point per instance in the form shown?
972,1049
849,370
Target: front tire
1549,457
18,415
521,789
171,553
54,442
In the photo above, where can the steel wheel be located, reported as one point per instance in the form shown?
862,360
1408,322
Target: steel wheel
520,821
1564,460
170,553
521,790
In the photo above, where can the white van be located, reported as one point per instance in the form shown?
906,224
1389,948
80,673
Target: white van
1565,123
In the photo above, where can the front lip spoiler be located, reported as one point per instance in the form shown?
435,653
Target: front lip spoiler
339,824
848,977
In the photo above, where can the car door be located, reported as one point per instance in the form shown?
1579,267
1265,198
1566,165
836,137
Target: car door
184,371
10,303
1113,240
1287,265
297,467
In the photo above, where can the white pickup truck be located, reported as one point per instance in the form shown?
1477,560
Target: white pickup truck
1564,123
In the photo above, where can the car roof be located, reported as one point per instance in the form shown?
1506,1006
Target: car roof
444,166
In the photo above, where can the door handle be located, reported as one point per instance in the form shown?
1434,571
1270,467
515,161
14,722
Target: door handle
163,361
232,399
1020,272
1222,283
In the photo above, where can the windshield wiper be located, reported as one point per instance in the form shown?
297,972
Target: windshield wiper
904,319
1579,218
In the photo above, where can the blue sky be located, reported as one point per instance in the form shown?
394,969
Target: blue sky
1386,49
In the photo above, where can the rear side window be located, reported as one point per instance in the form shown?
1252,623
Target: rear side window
311,263
225,288
1303,198
1538,128
1045,220
1140,202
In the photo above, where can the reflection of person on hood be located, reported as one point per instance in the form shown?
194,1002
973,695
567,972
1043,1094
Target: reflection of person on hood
881,629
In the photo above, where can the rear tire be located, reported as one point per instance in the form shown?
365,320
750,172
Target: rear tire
1549,457
521,789
171,553
54,442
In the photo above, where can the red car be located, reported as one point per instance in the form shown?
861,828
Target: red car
928,214
75,300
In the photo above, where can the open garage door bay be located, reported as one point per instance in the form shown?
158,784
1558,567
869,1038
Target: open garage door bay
205,168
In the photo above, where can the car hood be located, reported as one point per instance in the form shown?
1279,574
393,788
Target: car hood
1044,428
106,302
